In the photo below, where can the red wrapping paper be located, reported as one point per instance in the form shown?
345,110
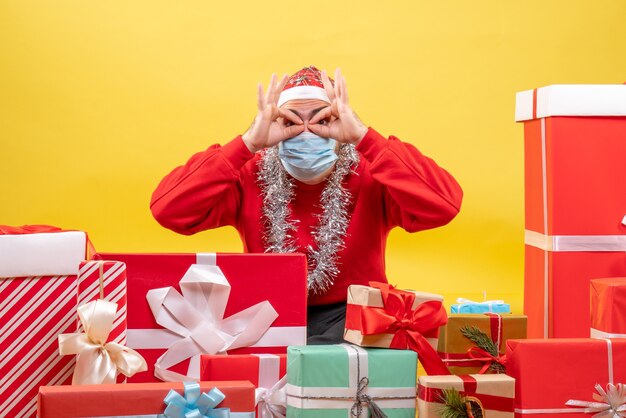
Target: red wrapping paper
277,278
550,372
570,201
608,306
34,310
130,399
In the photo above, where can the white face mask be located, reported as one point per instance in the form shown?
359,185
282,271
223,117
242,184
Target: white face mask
307,156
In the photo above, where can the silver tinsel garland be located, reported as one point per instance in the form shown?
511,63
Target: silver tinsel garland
277,190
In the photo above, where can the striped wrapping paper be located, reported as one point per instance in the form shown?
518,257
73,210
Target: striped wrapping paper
42,304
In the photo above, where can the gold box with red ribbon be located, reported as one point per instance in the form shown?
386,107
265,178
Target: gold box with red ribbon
463,356
491,394
567,377
574,147
382,316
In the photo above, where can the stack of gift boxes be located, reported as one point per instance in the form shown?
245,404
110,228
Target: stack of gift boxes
88,334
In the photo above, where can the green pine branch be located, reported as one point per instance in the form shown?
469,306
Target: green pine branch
485,342
453,404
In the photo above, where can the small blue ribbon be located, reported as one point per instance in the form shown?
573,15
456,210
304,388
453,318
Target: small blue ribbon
195,404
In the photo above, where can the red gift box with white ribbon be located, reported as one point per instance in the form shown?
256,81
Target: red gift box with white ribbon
266,372
575,202
561,377
608,305
183,305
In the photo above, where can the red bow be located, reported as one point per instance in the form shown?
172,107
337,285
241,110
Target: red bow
408,325
478,354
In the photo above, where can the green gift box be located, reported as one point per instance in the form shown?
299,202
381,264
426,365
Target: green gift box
341,381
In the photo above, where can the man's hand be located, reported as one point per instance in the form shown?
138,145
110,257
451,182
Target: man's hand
344,125
266,130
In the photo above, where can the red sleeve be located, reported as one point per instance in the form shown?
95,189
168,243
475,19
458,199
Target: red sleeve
418,193
204,193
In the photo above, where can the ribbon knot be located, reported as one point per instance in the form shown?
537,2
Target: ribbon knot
272,402
98,361
362,399
407,324
610,403
195,404
478,354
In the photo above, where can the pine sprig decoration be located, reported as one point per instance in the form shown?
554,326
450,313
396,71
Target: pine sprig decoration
485,342
453,404
456,405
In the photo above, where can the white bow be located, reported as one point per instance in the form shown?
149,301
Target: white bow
272,402
610,403
197,317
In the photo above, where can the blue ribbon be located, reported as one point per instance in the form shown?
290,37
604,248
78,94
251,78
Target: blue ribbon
195,404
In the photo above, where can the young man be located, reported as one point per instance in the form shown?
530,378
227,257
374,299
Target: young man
309,176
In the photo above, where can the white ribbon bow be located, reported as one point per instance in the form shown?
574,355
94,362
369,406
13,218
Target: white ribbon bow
610,403
98,361
197,317
272,402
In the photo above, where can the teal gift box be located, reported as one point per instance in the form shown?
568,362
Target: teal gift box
340,381
466,306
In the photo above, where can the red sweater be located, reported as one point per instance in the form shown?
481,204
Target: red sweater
394,185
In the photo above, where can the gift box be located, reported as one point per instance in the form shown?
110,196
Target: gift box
574,217
464,356
173,341
265,371
491,394
141,399
466,306
381,316
38,288
347,380
608,305
549,373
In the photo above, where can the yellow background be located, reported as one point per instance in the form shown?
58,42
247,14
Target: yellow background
99,100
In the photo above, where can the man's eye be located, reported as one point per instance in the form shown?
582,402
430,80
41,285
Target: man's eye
323,122
288,122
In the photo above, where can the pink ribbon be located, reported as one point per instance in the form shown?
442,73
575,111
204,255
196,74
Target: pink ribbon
197,318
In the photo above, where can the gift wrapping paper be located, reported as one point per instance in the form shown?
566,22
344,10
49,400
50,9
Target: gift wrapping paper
495,392
264,371
279,279
550,372
330,380
144,400
608,307
35,307
575,223
454,347
471,307
381,316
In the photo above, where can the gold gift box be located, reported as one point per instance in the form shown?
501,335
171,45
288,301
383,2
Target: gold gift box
453,345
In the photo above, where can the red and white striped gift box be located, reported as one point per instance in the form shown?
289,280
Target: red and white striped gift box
38,288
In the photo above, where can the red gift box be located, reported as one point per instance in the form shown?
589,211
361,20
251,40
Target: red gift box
608,305
264,371
575,140
38,285
133,399
277,278
549,373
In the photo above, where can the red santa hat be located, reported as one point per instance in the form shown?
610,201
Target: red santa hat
305,84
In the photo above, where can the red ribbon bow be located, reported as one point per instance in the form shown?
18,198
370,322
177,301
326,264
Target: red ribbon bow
478,354
408,325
